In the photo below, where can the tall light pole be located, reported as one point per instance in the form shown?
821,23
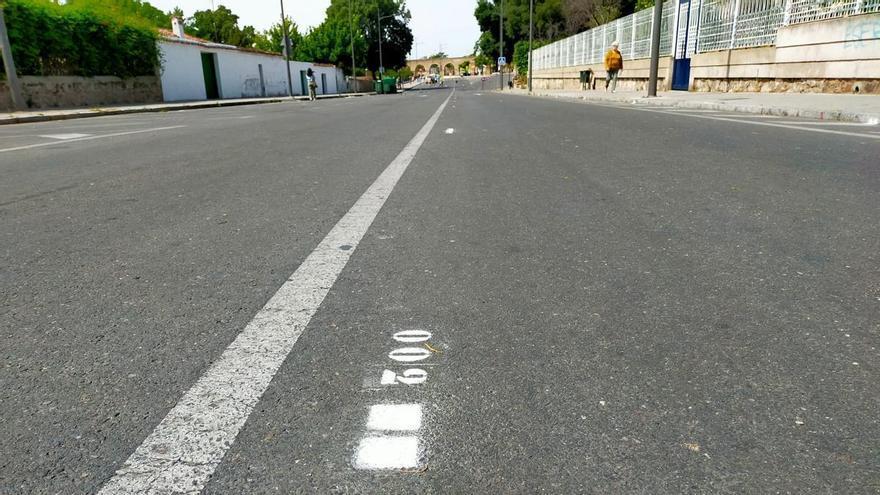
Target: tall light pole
501,48
531,29
379,18
351,35
655,48
11,76
287,53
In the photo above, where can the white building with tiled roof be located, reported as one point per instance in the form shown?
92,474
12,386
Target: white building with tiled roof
198,69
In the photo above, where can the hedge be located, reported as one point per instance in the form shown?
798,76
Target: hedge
56,40
521,55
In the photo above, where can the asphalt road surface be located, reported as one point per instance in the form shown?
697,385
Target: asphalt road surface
447,291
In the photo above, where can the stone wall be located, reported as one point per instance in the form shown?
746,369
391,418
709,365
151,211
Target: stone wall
830,56
634,76
49,92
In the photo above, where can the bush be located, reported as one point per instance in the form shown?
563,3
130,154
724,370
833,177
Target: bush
55,40
521,55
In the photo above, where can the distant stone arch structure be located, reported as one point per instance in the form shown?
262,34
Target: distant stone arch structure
419,70
447,66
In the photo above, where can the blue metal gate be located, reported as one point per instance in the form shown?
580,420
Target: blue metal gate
684,45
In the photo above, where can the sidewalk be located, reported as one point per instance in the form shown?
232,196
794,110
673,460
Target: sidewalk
80,113
843,107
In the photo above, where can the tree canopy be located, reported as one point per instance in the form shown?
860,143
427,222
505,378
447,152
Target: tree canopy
330,42
554,19
221,26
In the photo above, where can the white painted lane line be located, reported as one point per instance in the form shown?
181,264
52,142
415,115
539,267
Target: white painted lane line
745,115
71,135
387,453
181,454
751,122
395,417
825,122
89,138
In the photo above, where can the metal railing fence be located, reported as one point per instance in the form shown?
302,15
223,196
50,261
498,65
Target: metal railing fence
710,25
632,32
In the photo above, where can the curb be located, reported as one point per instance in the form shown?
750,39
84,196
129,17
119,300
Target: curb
169,108
829,115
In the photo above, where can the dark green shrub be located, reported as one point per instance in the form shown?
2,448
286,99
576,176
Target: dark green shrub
55,40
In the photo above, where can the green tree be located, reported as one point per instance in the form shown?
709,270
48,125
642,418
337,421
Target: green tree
440,54
643,4
221,26
553,19
330,41
272,40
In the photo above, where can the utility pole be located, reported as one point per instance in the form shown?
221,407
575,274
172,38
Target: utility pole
11,76
501,47
287,53
531,30
379,19
351,35
655,48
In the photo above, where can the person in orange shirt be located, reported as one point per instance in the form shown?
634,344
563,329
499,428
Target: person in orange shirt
613,66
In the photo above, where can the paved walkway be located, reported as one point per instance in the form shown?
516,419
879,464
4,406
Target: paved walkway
853,108
79,113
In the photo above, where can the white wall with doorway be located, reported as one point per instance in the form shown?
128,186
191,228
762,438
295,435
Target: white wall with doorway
238,72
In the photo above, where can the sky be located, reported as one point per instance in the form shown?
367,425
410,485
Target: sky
447,25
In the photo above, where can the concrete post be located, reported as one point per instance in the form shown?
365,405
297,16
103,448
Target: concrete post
736,7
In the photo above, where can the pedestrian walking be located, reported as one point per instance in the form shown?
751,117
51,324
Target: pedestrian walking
313,85
613,66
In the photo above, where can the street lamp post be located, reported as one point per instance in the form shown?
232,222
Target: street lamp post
379,17
9,65
655,48
501,47
351,35
286,49
531,29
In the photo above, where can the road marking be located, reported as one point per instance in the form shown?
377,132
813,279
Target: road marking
388,453
89,138
750,122
450,130
71,135
395,417
746,115
181,454
409,354
412,336
851,124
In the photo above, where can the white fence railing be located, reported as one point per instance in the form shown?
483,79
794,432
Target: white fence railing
633,32
702,26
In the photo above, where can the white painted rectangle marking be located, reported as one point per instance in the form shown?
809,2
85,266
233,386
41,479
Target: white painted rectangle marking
387,453
89,138
395,417
182,452
72,135
450,130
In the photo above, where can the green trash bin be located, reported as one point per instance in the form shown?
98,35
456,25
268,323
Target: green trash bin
378,87
389,85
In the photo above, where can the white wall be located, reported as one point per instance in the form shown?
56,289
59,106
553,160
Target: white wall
182,77
238,73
